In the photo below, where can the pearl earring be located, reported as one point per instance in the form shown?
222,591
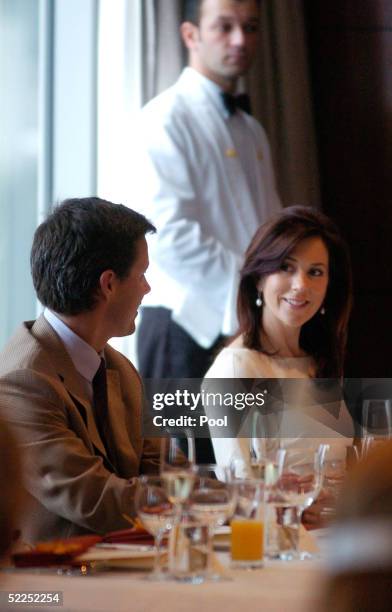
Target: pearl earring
259,300
322,311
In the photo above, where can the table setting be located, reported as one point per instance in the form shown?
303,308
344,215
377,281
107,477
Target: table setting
219,532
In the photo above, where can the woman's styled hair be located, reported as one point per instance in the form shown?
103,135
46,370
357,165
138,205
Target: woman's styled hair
324,335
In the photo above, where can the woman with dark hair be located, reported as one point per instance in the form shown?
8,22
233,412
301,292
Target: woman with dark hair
294,303
304,327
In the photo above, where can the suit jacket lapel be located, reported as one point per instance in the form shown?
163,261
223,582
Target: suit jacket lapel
69,376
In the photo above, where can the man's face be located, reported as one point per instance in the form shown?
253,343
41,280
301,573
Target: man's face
223,46
128,294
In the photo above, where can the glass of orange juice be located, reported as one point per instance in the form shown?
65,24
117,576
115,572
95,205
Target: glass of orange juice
247,525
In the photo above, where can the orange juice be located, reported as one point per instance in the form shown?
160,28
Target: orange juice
246,540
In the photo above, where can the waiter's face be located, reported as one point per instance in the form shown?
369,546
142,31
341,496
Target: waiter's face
224,43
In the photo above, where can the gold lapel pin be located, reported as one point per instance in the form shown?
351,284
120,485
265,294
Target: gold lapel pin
231,153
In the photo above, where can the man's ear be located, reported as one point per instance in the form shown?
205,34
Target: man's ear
107,282
190,34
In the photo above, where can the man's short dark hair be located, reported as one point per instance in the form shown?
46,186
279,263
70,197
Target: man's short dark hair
192,10
79,240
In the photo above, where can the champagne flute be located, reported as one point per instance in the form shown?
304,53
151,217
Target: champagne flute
334,466
157,514
298,485
257,447
177,470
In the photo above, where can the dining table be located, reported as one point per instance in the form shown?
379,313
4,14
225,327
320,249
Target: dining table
278,586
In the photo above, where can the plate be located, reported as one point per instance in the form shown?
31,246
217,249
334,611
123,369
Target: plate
120,556
224,530
222,538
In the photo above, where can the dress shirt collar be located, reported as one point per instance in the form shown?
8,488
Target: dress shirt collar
210,87
85,359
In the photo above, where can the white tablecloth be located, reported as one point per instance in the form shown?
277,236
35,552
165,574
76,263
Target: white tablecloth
278,587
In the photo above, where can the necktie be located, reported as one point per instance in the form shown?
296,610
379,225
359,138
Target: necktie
100,404
242,101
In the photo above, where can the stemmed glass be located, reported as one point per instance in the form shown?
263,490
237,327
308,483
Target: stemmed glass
177,470
262,450
376,422
157,514
334,466
298,485
212,502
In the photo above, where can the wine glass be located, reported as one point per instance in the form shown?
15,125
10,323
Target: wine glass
157,513
177,470
212,502
262,448
298,485
376,422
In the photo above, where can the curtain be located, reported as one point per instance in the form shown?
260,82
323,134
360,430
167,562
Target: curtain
278,84
163,52
281,95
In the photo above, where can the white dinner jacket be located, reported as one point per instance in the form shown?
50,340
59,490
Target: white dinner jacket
192,186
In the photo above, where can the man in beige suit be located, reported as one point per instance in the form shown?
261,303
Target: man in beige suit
79,422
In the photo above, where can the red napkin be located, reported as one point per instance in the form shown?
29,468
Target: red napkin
134,535
55,552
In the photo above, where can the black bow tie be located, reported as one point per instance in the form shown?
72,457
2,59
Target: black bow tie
242,101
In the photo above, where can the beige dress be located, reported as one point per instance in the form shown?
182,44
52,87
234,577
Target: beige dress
301,423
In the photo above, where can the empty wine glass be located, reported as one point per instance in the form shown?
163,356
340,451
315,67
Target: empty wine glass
157,514
212,502
253,454
298,485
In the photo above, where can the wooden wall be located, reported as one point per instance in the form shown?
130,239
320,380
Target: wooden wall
350,49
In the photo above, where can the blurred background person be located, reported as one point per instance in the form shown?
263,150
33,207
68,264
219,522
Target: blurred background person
211,183
208,182
360,549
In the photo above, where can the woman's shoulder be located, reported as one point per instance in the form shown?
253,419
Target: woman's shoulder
237,361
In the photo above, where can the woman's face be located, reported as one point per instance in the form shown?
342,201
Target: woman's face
293,294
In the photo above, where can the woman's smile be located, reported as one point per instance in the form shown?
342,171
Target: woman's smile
296,292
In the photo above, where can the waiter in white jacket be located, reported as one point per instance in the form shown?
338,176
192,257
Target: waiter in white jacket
207,183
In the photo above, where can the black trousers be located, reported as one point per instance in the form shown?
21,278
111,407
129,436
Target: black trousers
165,350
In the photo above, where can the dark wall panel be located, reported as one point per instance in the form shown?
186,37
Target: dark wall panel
350,48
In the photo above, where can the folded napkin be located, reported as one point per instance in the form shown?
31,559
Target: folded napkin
135,535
